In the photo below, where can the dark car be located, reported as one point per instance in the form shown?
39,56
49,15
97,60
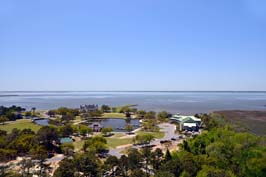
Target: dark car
173,139
103,155
165,141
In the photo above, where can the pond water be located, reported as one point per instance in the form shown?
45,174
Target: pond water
43,122
118,125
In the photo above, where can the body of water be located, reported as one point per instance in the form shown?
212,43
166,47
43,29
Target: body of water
43,122
119,125
182,102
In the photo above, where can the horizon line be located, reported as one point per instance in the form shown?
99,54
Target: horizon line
132,90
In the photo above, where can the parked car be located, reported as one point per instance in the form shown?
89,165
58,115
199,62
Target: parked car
165,141
173,139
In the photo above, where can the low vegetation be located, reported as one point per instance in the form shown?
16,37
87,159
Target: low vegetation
20,124
114,142
253,121
157,135
114,115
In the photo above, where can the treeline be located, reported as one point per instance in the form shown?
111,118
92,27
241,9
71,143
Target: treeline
10,113
28,143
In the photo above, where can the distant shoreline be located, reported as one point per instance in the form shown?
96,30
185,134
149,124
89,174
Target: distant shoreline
7,95
124,91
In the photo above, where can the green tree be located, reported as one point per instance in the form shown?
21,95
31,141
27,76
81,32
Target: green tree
106,131
51,113
168,155
110,163
143,139
4,170
215,172
146,153
150,125
95,144
123,166
33,110
137,173
84,130
185,174
189,164
38,152
67,149
135,159
156,158
141,113
129,128
96,114
88,164
23,143
48,136
26,165
67,117
67,168
172,166
162,116
3,119
105,108
150,115
164,174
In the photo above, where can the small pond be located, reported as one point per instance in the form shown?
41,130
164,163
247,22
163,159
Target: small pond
118,125
43,122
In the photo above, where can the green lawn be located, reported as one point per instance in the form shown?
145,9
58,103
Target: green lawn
111,142
114,115
118,135
157,135
20,124
78,145
114,142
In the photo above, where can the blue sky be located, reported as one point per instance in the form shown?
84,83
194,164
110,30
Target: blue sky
133,45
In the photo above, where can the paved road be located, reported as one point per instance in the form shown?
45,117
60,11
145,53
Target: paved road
56,158
169,132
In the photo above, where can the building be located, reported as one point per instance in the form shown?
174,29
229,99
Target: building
65,140
96,127
88,108
189,123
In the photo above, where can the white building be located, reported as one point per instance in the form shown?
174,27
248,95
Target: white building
191,123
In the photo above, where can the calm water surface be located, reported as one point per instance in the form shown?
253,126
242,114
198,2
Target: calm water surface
183,102
119,125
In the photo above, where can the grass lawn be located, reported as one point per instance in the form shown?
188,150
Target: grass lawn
78,145
20,124
157,135
114,142
114,115
118,135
